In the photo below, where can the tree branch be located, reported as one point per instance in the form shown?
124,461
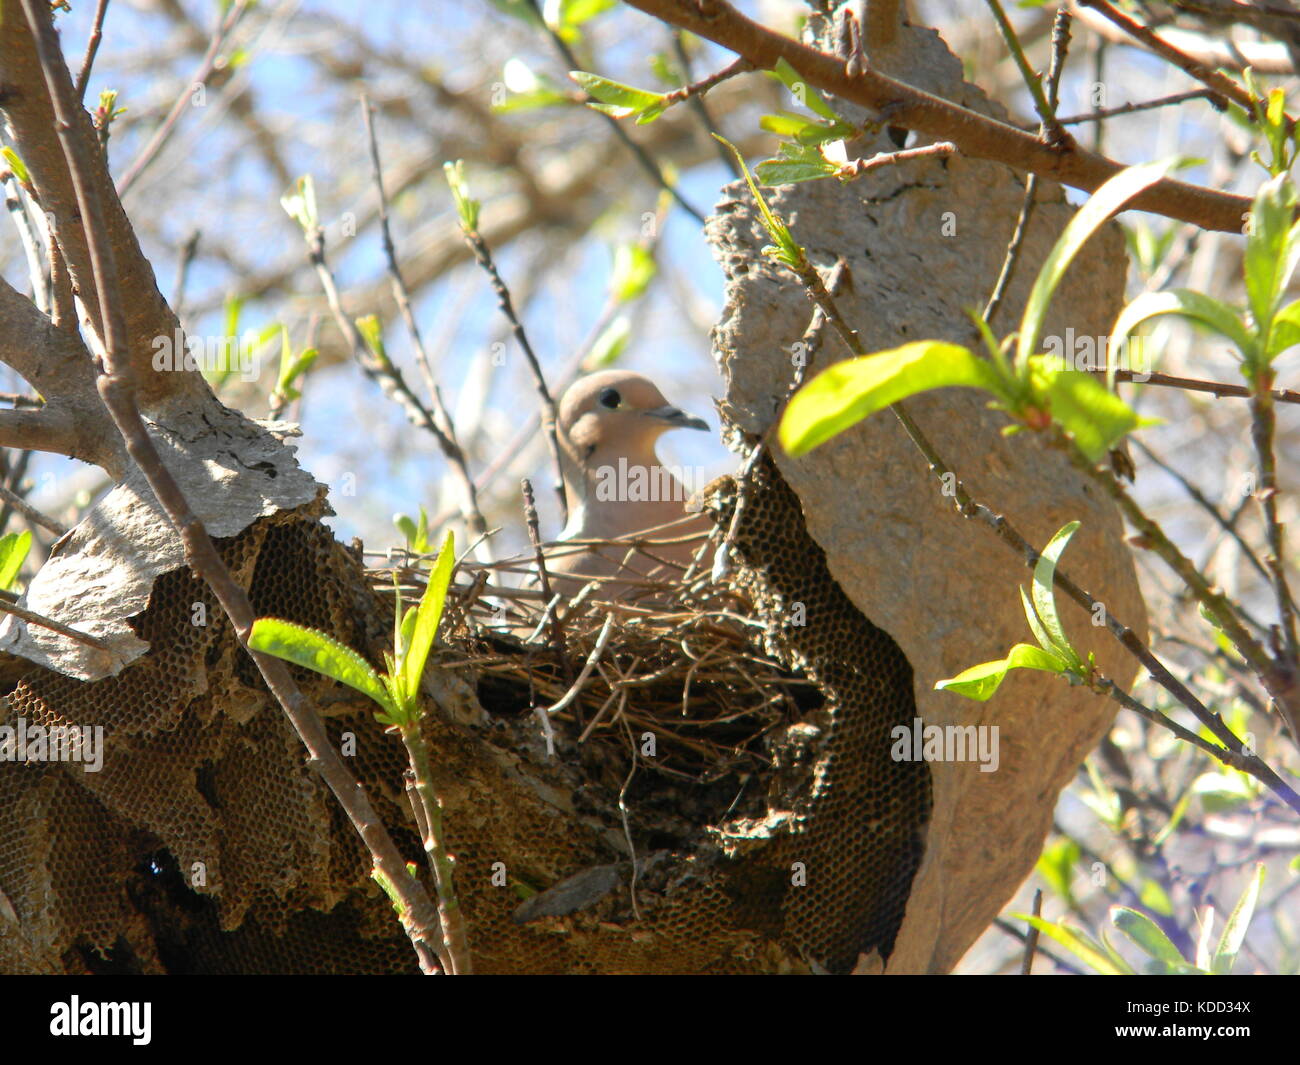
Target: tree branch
977,136
147,320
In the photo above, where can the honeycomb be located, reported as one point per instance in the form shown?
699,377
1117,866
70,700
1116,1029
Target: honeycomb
206,846
859,817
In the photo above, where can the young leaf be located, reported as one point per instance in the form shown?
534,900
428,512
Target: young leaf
980,682
1056,866
616,99
13,553
634,269
323,654
1184,303
1285,332
1081,945
1095,418
1104,202
466,206
300,204
1149,937
1035,625
796,163
786,249
610,344
1271,249
845,393
427,618
1044,593
1234,932
803,92
17,165
1204,955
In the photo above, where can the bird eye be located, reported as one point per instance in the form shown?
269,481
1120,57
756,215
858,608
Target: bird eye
610,398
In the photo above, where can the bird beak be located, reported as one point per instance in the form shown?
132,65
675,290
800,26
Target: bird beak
677,418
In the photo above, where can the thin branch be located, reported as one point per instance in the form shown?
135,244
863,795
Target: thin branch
701,109
543,577
207,66
16,502
1031,937
857,167
1262,432
117,388
446,437
1060,44
1214,99
1214,80
639,153
1220,389
188,251
92,47
697,89
976,136
1205,503
33,618
483,256
1049,127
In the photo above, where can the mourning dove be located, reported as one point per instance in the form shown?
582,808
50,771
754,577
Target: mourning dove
607,425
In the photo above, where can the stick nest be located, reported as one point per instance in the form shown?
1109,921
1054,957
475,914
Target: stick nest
668,695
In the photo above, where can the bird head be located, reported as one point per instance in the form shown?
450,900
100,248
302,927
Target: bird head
617,412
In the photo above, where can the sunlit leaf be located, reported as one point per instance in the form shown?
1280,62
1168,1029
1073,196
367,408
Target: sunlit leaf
845,393
428,617
1103,203
982,681
321,653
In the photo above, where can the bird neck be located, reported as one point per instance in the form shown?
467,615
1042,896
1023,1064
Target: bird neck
583,473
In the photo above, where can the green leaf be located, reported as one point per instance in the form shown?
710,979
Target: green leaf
1056,866
1103,203
1155,898
466,206
13,553
775,172
576,12
1102,800
617,99
1183,303
845,393
787,250
610,344
1271,249
323,654
427,618
634,269
1150,938
1234,932
784,124
803,92
1222,791
17,165
530,101
373,334
1078,943
1044,592
1204,955
980,682
1095,418
300,204
1285,332
1035,625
